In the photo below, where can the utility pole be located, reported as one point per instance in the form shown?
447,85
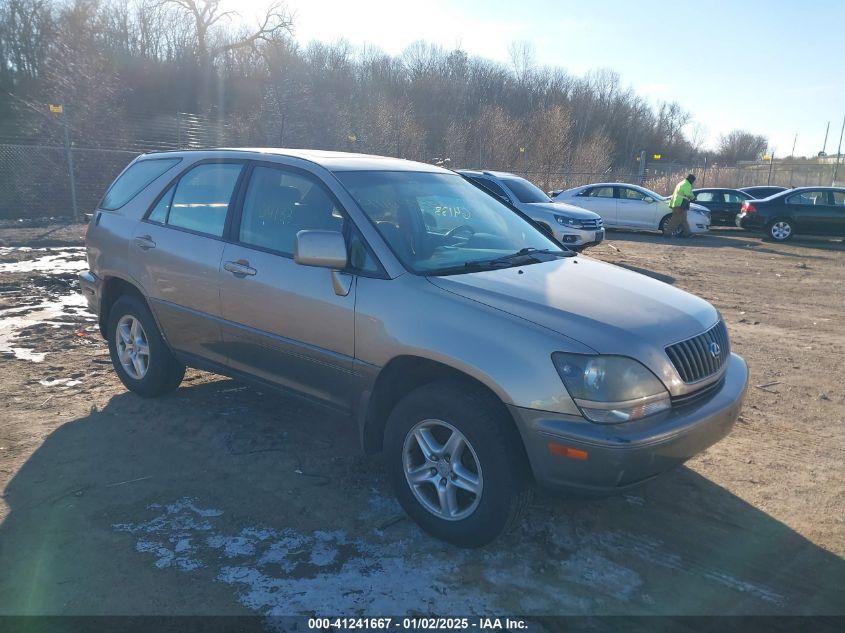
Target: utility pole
60,110
838,154
824,147
771,162
792,160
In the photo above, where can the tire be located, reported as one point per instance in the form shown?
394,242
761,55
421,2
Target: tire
662,226
780,230
149,375
492,460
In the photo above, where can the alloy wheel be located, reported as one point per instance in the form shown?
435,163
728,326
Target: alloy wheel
133,349
781,230
442,470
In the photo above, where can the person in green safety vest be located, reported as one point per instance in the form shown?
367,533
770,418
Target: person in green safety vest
679,203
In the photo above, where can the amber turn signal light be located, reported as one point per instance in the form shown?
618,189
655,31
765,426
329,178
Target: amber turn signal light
568,451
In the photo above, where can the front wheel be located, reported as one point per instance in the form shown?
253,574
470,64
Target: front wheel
456,464
780,230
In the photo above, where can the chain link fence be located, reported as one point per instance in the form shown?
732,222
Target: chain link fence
38,175
35,180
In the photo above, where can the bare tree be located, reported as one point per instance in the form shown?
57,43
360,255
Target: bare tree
522,60
740,145
551,138
211,43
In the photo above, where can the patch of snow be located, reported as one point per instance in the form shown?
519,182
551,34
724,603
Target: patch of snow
63,382
69,259
279,572
13,320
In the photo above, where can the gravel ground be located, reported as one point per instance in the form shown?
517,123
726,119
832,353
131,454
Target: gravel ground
224,499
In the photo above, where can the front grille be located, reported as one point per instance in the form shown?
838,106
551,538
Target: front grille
698,394
591,224
694,358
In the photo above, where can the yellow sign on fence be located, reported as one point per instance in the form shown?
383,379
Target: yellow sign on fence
57,109
658,156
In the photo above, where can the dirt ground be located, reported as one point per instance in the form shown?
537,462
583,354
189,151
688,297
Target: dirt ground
223,499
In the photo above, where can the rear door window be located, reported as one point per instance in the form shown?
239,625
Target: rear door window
132,181
199,201
808,198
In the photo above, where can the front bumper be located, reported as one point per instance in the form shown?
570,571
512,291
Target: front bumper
619,456
698,226
580,238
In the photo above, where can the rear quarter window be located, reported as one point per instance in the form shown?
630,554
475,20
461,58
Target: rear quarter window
132,181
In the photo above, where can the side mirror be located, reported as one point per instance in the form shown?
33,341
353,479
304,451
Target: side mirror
323,249
648,199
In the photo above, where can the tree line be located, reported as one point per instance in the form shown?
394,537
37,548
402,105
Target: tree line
109,60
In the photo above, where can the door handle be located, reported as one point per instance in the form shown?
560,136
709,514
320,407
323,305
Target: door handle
144,242
240,268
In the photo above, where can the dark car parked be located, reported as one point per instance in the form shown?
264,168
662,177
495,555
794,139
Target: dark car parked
815,210
763,191
723,204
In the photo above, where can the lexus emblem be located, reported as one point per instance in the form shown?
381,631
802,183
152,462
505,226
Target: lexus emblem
715,350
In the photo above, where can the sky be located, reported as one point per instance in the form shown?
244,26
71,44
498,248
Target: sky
772,67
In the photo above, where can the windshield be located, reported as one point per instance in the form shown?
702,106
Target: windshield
439,222
525,191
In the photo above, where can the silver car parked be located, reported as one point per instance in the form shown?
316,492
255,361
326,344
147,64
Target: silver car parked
569,224
479,356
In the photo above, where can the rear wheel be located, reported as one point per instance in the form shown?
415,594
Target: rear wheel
138,352
780,230
456,464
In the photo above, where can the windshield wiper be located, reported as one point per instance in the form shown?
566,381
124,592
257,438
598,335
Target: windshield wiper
525,252
505,261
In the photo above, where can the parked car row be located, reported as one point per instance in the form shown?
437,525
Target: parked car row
779,212
465,344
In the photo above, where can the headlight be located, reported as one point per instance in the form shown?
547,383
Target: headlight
565,221
611,389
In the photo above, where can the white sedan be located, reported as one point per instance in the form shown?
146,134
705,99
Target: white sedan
626,206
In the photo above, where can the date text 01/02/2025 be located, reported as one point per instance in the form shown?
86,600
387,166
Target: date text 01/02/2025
422,623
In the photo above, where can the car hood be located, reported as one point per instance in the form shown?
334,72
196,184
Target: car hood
563,208
605,307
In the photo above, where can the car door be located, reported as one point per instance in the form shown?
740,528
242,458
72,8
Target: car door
732,205
288,324
601,200
838,198
812,211
633,211
176,251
